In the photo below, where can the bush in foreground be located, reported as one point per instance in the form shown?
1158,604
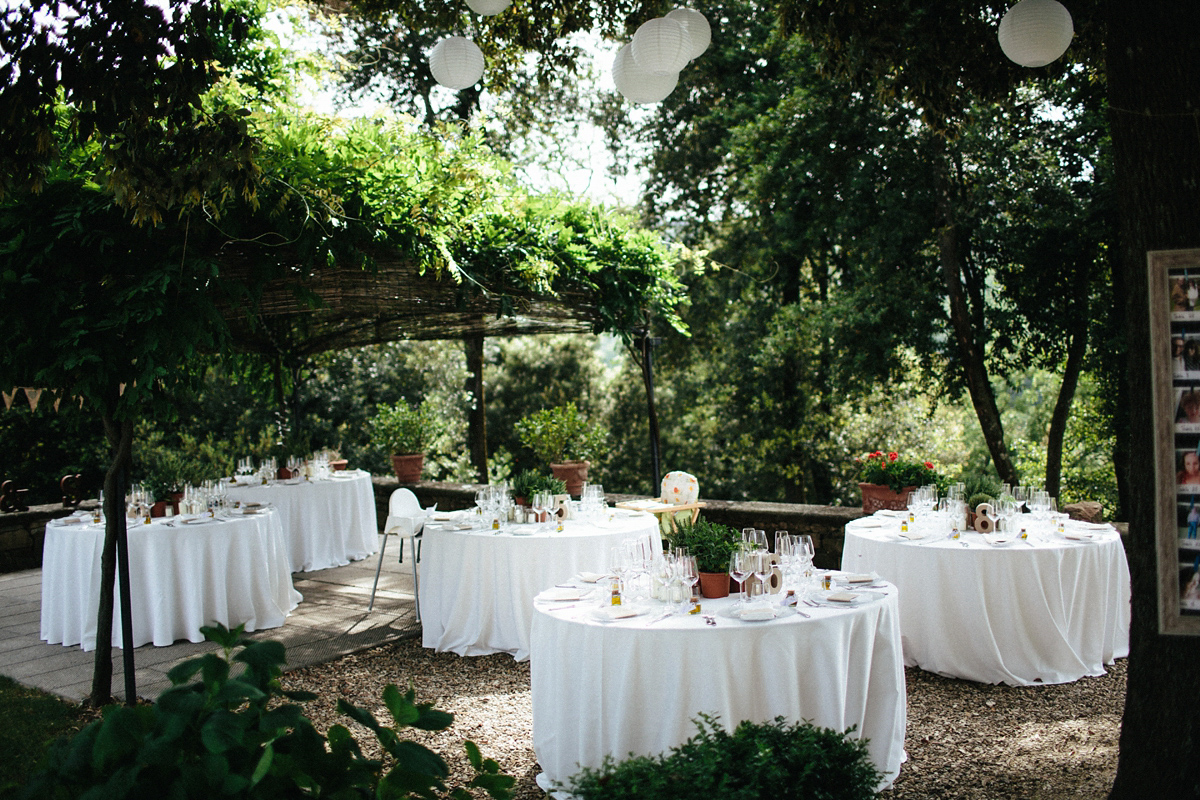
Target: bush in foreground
769,759
234,736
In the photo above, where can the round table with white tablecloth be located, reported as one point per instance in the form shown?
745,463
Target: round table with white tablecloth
1050,608
610,687
477,586
182,575
328,522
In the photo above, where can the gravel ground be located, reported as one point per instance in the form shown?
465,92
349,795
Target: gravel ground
964,740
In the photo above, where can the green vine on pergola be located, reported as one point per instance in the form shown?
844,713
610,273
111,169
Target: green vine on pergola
373,230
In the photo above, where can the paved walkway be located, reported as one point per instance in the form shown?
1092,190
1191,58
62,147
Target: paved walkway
331,621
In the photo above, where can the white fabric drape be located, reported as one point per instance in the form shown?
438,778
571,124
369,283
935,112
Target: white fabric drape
328,523
634,685
1050,611
181,577
477,588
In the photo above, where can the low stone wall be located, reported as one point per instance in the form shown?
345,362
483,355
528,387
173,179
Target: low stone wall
22,534
826,524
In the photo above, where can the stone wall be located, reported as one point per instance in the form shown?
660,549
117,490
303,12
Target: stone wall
826,524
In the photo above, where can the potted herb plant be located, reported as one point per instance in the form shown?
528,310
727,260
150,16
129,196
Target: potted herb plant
711,543
563,438
887,479
406,433
525,484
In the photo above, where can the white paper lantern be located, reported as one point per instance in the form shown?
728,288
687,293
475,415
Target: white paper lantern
698,30
679,488
488,8
636,84
456,62
661,46
1035,32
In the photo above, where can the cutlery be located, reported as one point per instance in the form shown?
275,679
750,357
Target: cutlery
801,613
660,618
560,608
710,619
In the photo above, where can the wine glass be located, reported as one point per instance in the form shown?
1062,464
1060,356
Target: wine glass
805,551
739,570
689,576
1020,497
760,562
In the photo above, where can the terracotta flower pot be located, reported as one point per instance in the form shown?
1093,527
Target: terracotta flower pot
159,509
876,496
574,473
714,584
340,463
408,467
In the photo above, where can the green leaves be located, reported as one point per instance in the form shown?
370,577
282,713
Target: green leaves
224,736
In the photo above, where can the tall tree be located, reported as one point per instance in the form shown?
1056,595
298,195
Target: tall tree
1153,70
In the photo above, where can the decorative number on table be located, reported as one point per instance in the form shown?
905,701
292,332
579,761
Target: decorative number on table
70,489
12,498
985,521
774,580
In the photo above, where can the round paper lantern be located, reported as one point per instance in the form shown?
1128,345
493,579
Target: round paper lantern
679,488
456,62
636,84
698,30
488,8
661,46
1035,32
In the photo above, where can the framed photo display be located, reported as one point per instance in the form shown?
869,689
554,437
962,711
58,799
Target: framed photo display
1175,361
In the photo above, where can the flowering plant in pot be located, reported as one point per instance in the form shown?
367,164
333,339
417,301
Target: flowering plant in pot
564,439
886,479
406,433
711,543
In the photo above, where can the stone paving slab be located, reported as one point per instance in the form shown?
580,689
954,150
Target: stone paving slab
332,621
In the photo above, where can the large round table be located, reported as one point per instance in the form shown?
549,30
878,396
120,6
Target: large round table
328,523
477,587
1048,609
636,685
182,576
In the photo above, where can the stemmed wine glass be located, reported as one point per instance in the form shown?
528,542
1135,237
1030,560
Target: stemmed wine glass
761,564
1020,497
805,551
739,570
689,576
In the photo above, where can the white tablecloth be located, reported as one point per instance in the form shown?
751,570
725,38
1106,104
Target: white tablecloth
181,577
477,588
1051,611
328,523
612,688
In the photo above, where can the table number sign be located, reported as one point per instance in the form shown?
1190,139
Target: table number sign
1174,277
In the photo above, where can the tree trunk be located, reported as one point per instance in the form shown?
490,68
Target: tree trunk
1062,410
1153,53
120,436
969,351
477,417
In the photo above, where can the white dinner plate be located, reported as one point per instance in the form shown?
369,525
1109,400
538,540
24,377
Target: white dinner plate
1003,540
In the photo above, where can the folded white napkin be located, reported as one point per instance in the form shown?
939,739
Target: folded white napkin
618,612
910,535
867,522
1079,536
998,539
842,597
758,614
591,577
887,512
858,578
559,594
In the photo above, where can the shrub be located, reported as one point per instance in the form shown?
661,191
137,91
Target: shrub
560,434
770,759
710,542
222,736
404,430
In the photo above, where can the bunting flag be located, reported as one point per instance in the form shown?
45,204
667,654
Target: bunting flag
121,390
8,398
57,400
34,395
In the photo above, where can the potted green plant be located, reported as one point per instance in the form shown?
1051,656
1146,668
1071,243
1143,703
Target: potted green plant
711,543
166,473
563,438
406,432
527,483
887,479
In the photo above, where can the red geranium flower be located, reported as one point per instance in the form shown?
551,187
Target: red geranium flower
893,456
928,465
